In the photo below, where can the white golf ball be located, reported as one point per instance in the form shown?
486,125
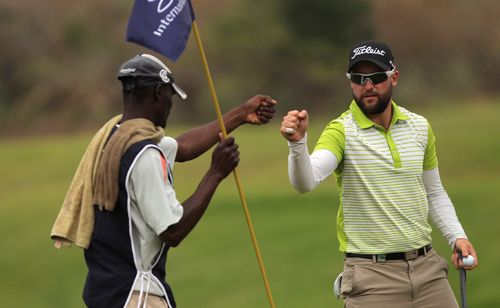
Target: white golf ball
469,261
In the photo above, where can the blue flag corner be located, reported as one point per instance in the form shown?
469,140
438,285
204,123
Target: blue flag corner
161,25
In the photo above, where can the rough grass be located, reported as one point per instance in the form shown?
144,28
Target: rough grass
216,265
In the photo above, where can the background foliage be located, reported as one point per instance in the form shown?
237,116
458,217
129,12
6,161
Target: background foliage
59,61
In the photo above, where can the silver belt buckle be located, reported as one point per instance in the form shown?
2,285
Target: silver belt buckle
410,255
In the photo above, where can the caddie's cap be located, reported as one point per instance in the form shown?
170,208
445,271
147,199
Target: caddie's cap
373,51
149,72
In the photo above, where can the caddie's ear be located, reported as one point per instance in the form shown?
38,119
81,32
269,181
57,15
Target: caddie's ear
157,92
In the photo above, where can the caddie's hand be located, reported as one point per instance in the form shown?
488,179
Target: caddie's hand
259,109
466,248
225,157
294,125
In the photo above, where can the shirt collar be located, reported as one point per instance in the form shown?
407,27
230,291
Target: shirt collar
364,122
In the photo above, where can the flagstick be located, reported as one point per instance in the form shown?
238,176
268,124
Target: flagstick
223,129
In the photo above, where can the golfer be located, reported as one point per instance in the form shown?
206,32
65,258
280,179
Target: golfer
125,214
384,160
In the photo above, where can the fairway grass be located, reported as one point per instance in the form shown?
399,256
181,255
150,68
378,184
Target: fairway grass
216,266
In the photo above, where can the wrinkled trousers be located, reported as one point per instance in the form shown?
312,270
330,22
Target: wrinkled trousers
421,282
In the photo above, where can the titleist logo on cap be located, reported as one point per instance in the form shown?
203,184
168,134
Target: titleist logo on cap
367,50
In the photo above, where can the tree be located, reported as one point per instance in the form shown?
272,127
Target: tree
291,49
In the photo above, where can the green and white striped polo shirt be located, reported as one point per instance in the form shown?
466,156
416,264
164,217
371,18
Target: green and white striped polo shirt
383,202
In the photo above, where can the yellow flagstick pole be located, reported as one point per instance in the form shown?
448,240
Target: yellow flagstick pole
223,129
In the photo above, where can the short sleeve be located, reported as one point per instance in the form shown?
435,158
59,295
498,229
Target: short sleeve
152,193
169,147
430,158
332,139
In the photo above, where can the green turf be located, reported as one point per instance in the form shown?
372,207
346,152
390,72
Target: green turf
216,265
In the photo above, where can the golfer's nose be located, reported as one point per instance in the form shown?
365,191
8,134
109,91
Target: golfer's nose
368,84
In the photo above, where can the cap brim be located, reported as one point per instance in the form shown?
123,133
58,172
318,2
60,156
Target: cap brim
380,64
179,91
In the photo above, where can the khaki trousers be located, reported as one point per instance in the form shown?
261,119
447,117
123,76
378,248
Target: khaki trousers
421,282
152,301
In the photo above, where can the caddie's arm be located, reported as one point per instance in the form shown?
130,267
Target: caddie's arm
225,158
193,143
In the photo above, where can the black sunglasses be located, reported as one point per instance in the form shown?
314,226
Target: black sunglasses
375,78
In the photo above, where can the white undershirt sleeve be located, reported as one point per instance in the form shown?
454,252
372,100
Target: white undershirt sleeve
306,171
441,210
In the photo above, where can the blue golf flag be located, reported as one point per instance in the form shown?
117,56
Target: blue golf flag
161,25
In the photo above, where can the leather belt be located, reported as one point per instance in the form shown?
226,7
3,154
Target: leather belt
381,258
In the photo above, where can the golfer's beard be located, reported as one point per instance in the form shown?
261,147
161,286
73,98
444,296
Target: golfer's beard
380,106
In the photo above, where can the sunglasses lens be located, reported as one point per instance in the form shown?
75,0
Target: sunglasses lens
378,78
357,79
375,78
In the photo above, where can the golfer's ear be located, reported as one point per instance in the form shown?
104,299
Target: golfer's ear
395,77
